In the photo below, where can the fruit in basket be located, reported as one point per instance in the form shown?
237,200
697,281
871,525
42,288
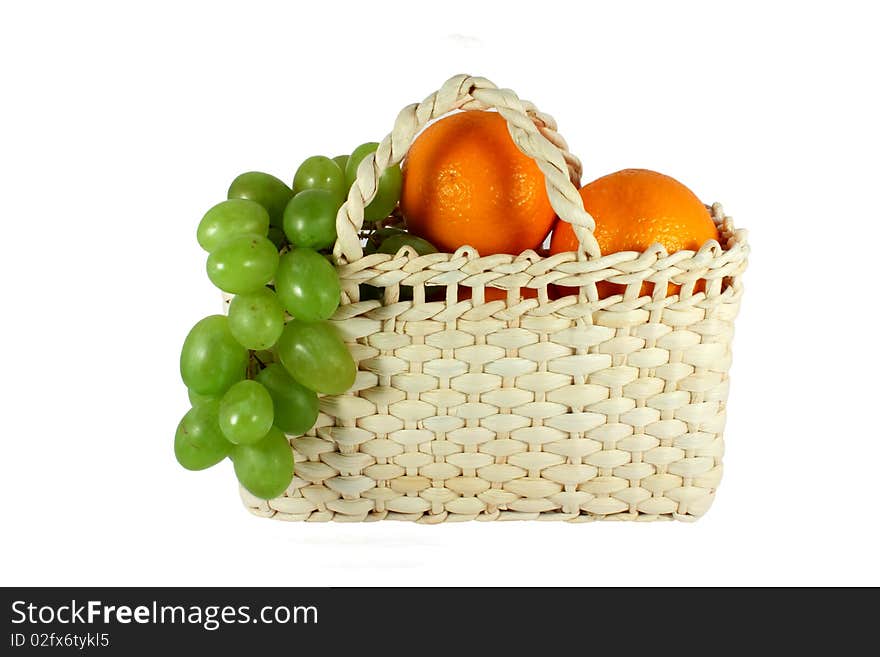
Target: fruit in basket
265,468
496,293
388,193
264,189
236,216
314,354
378,236
246,413
211,360
295,406
393,243
310,218
307,285
466,182
633,209
198,442
243,264
320,172
256,319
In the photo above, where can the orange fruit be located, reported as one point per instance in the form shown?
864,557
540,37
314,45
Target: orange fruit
497,294
634,209
466,182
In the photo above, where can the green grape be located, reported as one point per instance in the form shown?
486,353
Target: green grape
265,468
390,182
237,216
195,399
246,413
243,264
296,407
341,161
256,319
277,237
198,443
315,355
374,241
319,172
394,243
211,360
265,189
307,285
310,219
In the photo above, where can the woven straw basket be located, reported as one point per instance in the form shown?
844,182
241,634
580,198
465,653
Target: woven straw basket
571,409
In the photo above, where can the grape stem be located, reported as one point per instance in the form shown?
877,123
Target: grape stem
253,359
394,220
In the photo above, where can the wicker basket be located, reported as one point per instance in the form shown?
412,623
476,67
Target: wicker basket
571,409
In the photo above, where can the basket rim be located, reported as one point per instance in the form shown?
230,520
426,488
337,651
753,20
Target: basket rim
529,269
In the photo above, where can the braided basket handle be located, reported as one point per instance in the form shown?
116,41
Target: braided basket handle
534,134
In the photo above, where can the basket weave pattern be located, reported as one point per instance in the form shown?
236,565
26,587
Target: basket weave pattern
570,409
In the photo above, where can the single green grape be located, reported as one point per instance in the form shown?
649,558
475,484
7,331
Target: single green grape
307,285
237,216
394,243
246,413
199,443
374,241
243,264
266,467
315,355
195,399
341,161
310,219
319,172
256,319
354,160
390,183
265,189
296,407
211,360
277,237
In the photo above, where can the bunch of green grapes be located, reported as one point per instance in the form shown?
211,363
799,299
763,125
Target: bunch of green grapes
254,375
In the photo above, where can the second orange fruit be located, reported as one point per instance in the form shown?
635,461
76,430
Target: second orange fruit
634,209
466,182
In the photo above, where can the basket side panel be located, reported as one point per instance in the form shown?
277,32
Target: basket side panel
575,408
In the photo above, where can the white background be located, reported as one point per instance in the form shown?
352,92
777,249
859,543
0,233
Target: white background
123,122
